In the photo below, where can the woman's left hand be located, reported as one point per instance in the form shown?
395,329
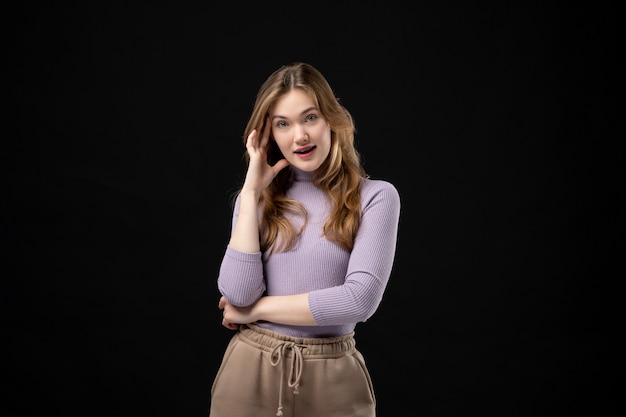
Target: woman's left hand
233,316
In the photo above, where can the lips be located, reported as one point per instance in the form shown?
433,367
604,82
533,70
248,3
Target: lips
305,150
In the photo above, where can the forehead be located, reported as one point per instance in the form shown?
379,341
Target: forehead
293,104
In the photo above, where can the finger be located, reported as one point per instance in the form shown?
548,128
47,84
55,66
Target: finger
250,142
230,326
222,302
278,166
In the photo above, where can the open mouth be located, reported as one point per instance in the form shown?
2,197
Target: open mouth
306,150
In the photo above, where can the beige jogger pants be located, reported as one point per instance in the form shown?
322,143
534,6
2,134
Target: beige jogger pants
267,374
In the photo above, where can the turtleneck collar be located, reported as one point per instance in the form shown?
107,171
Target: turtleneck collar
299,175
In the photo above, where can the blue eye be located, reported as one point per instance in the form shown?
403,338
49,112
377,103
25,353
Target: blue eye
311,117
281,124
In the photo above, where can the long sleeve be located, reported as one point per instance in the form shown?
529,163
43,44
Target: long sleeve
240,277
370,263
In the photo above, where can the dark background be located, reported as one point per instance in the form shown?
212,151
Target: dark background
122,145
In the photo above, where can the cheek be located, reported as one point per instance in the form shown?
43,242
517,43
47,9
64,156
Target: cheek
324,134
282,142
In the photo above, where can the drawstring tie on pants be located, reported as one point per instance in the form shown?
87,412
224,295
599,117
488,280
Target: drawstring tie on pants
278,353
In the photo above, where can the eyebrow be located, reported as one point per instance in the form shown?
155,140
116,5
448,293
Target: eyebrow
277,116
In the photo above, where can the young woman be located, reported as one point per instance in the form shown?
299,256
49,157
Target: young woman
311,251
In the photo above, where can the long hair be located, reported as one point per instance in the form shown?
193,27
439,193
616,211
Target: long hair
339,176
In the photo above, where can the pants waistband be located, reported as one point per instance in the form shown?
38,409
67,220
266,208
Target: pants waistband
312,347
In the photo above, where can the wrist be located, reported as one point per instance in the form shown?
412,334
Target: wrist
249,194
263,310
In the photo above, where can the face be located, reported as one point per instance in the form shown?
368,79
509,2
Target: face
300,131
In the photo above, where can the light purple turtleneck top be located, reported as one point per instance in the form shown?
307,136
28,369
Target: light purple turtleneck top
344,287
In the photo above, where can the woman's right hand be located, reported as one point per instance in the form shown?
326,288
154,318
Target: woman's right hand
260,174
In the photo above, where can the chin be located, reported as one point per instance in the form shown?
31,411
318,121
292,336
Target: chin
307,166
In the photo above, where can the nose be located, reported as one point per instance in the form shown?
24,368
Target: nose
300,134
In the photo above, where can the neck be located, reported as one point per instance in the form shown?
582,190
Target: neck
299,175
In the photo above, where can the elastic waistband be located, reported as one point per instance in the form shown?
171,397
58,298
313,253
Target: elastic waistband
313,347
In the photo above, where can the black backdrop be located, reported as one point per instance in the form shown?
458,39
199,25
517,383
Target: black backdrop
123,144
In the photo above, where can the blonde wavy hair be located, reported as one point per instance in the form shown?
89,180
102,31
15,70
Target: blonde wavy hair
339,176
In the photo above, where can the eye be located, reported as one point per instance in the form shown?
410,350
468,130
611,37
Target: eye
281,124
311,118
